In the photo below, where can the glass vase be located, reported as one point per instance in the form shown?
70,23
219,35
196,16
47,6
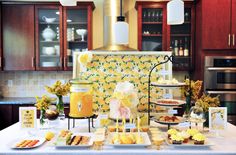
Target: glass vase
42,117
187,107
60,106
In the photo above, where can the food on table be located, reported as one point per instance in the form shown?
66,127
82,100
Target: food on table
112,128
185,136
176,139
167,82
81,99
169,102
192,132
64,137
49,135
52,113
98,140
27,143
172,132
169,119
79,140
127,138
157,140
144,128
124,101
199,139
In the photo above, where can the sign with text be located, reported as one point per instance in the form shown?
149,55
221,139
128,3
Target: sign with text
217,118
28,117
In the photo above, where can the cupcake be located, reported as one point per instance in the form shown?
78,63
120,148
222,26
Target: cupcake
172,132
176,139
111,128
185,136
199,139
192,132
145,128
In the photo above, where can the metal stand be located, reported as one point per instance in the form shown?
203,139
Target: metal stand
89,120
165,60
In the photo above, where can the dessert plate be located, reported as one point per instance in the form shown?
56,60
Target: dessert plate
181,120
169,102
40,141
90,143
190,143
168,84
145,136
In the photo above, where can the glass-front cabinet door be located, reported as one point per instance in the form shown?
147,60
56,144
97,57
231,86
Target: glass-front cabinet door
48,37
152,29
75,32
181,42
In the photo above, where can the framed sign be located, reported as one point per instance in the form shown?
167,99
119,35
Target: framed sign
217,118
28,117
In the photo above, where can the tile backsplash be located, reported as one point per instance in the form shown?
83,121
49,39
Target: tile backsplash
29,83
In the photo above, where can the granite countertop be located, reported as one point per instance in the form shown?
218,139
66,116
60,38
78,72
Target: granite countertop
24,100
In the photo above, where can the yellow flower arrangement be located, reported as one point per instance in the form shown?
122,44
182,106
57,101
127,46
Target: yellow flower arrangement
207,101
59,89
195,89
44,102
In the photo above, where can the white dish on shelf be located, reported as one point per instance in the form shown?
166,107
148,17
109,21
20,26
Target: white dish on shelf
178,102
41,141
145,136
48,51
49,64
48,20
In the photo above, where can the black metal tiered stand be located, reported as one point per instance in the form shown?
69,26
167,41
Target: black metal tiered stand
165,60
90,119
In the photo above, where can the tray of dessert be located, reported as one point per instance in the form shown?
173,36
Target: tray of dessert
168,83
67,139
187,138
169,102
128,139
28,143
173,120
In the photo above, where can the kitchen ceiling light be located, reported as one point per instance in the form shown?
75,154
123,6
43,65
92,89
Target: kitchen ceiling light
68,2
121,29
175,12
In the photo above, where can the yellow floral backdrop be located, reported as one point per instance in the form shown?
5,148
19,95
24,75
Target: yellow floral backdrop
105,71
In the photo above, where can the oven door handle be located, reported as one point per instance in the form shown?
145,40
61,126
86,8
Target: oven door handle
221,68
220,92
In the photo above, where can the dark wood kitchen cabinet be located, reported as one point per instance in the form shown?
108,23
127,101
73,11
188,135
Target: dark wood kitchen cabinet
1,58
5,115
218,24
155,35
18,37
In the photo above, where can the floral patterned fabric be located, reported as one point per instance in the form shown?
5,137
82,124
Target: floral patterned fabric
106,70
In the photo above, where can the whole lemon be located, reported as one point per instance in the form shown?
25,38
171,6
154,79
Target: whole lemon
49,135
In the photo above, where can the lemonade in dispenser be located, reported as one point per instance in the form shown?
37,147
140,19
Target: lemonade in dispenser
81,98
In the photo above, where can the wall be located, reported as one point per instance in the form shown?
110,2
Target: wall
28,83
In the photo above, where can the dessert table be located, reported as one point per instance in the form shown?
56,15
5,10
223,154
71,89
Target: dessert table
223,145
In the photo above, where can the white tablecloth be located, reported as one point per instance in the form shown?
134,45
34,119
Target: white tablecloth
225,145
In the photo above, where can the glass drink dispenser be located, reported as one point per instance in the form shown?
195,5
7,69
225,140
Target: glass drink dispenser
81,99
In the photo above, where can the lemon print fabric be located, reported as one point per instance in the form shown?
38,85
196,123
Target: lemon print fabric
105,71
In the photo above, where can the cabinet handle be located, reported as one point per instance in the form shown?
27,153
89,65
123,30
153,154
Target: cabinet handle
0,62
233,39
61,61
64,61
32,61
229,40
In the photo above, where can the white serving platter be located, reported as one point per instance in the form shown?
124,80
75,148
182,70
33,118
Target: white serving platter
190,144
160,103
145,136
41,141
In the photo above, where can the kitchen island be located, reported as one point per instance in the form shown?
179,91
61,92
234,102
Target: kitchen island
223,145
